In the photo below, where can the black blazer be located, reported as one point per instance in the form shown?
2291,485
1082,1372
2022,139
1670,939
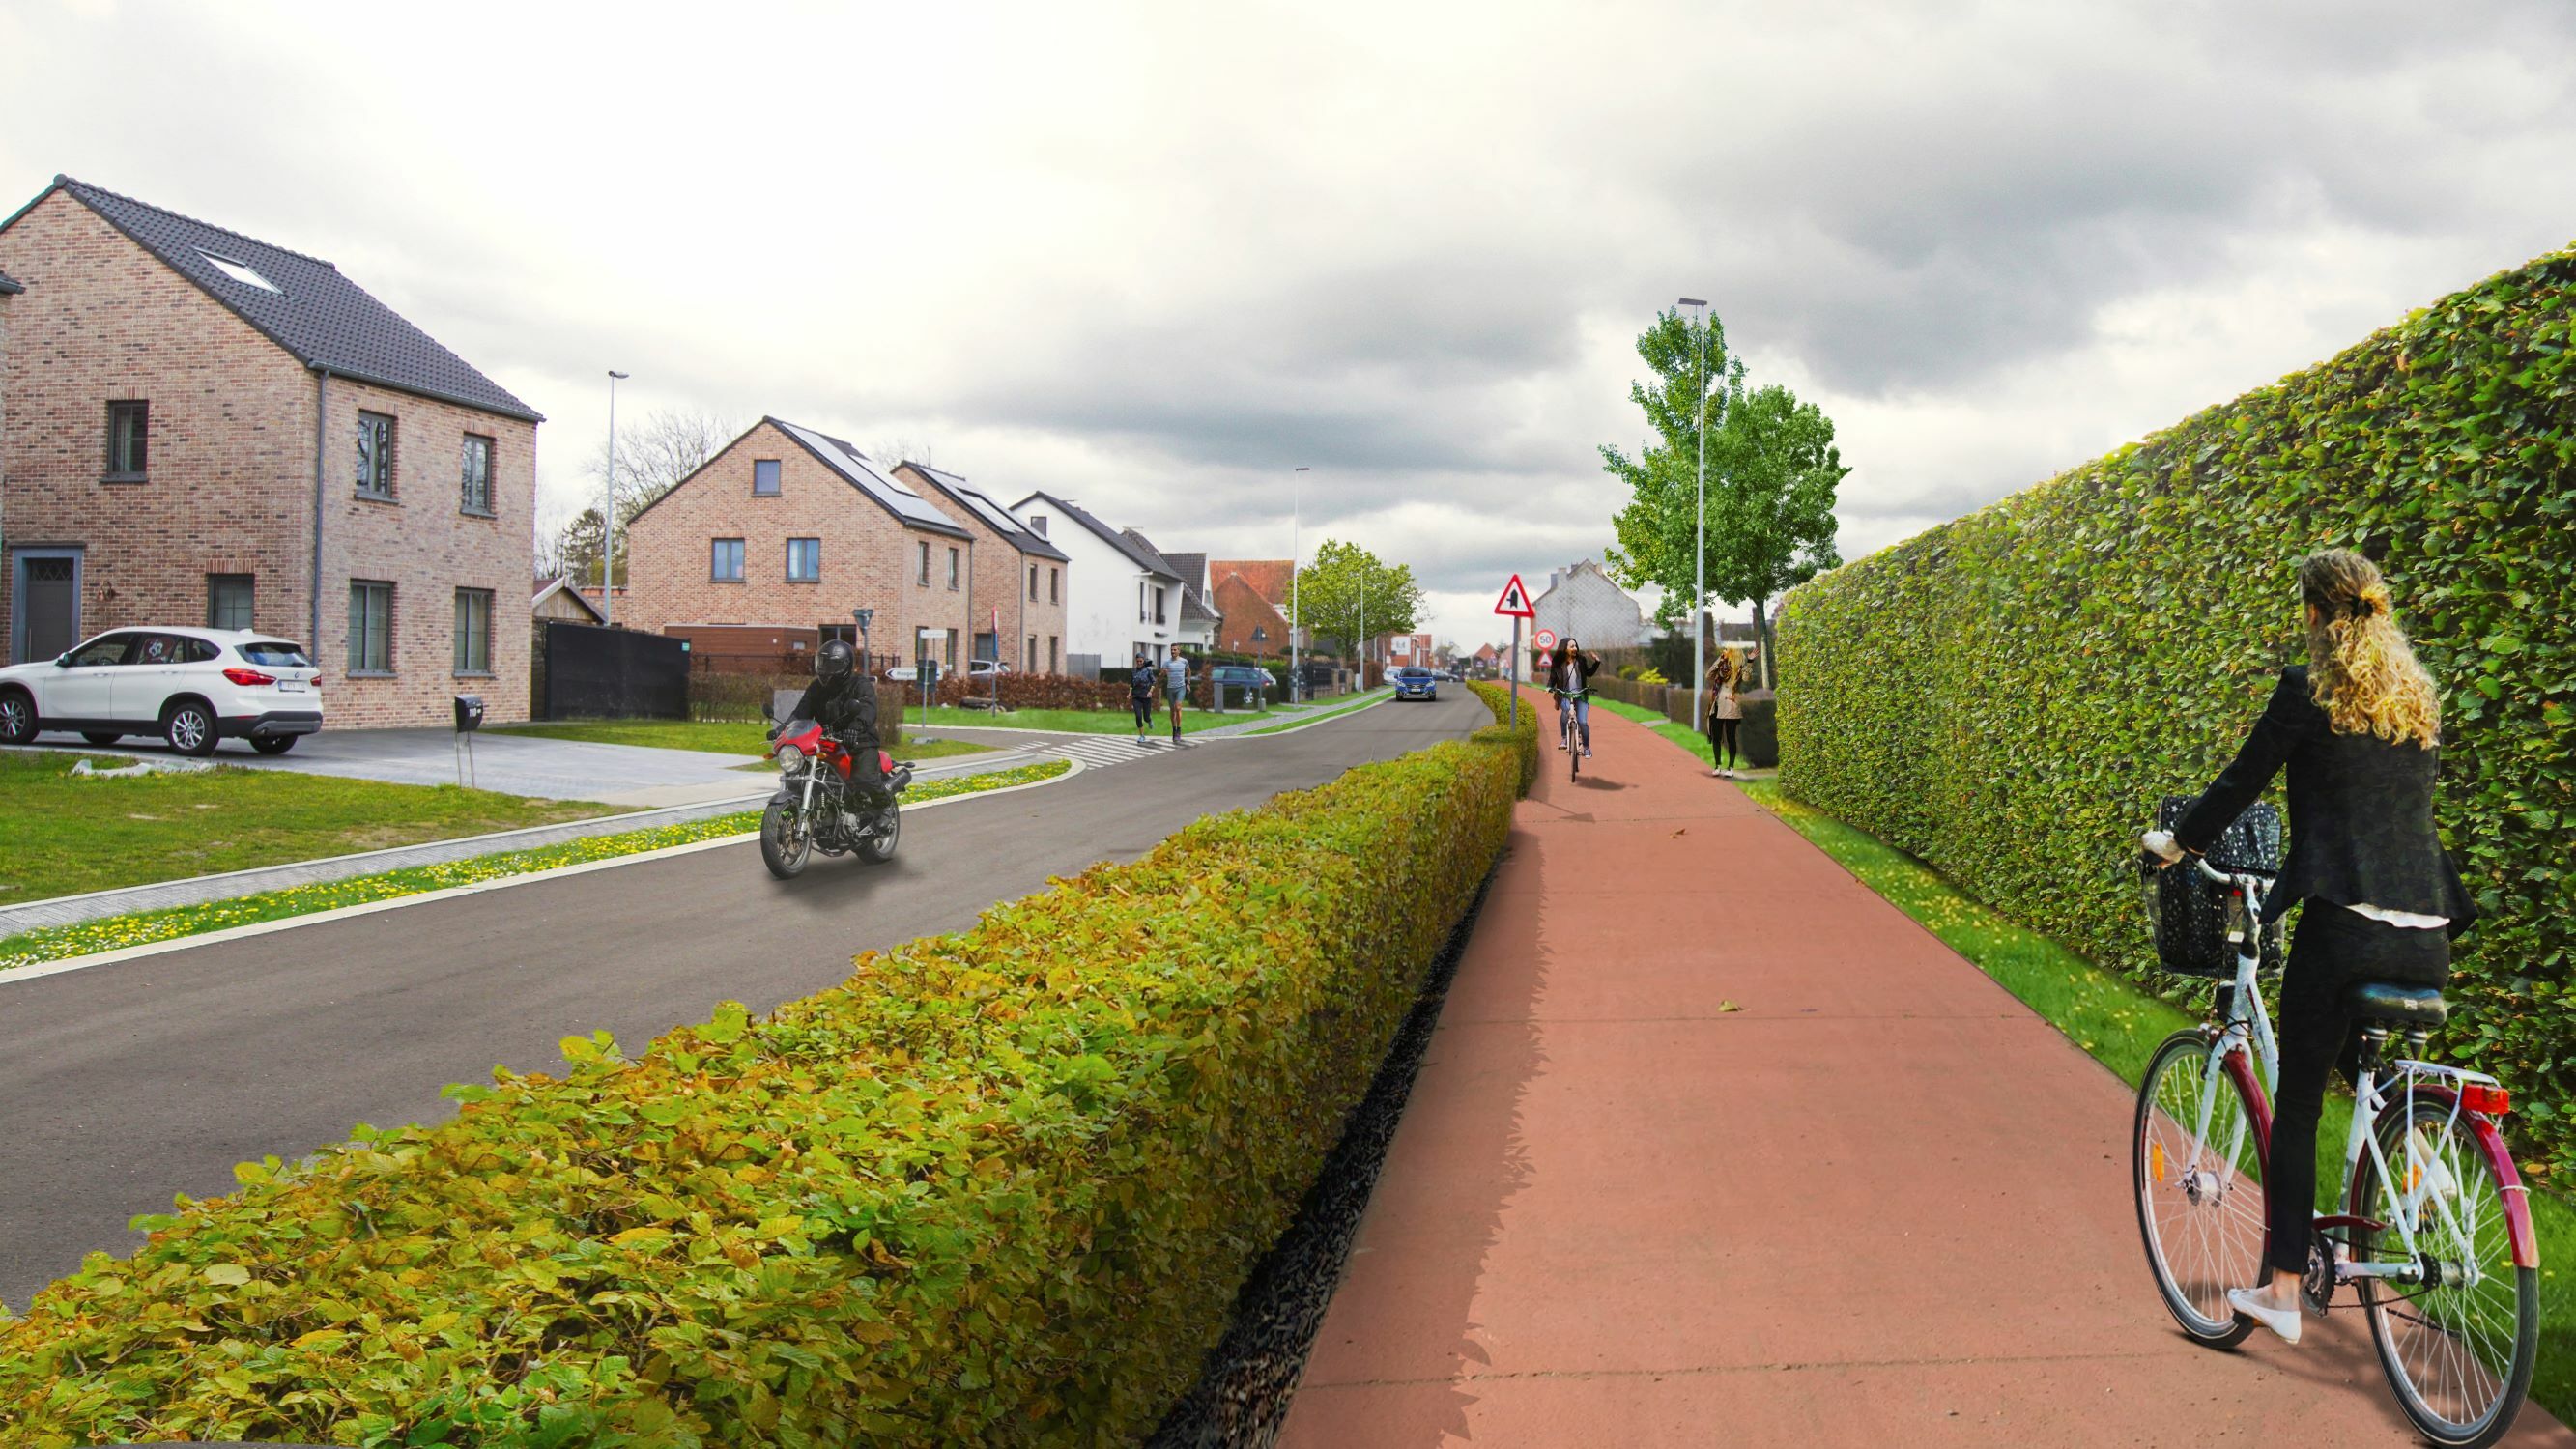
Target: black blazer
2361,813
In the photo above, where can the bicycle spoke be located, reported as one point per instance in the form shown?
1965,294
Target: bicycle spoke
2456,1350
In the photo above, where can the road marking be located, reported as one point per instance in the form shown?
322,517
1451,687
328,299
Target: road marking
369,908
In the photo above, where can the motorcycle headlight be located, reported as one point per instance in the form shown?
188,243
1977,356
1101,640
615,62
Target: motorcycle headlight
790,759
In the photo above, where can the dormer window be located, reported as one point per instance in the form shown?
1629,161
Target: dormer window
241,272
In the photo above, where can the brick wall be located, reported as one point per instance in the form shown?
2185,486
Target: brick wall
870,557
1002,582
229,482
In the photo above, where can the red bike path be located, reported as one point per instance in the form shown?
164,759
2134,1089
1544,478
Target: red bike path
1713,1145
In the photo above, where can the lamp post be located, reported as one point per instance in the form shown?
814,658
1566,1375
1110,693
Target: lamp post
1296,528
1699,537
608,514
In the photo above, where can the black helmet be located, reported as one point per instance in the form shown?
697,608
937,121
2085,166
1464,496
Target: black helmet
835,659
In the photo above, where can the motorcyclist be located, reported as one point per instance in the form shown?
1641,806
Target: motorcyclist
843,700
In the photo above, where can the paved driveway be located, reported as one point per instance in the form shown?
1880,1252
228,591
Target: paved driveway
513,764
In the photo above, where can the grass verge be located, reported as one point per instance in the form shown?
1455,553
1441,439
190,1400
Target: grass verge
1374,696
70,834
727,737
57,943
1077,721
2119,1025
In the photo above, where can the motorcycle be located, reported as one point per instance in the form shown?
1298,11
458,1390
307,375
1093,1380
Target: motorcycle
820,805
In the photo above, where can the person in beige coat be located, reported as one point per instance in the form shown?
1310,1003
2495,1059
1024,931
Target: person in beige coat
1725,714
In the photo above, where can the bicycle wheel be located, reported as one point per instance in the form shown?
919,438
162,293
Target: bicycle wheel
2458,1350
2200,1197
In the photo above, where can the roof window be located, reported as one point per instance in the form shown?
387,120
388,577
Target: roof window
240,272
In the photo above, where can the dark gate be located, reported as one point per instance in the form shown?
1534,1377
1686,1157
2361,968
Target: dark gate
597,673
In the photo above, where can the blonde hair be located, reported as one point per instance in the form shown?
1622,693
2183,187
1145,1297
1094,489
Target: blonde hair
2361,670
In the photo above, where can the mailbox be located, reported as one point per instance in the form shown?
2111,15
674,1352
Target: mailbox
469,712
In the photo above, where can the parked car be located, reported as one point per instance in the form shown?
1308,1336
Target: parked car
1235,680
1414,681
192,687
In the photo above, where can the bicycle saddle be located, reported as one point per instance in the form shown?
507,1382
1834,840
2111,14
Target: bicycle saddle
2410,1006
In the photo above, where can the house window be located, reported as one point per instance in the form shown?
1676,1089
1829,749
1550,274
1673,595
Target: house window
1051,596
371,627
1051,641
925,566
764,477
804,560
475,485
1158,606
724,560
473,631
1033,583
128,425
1029,657
952,568
375,456
1141,615
228,601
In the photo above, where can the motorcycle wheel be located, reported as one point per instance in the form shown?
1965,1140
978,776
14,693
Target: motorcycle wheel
784,848
878,848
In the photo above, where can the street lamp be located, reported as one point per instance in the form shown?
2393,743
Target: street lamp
1296,526
1699,539
608,516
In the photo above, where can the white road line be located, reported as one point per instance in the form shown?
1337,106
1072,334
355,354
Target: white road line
369,908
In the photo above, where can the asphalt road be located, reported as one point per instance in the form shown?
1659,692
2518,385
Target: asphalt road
126,1083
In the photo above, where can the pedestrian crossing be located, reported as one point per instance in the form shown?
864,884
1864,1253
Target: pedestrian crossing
1099,752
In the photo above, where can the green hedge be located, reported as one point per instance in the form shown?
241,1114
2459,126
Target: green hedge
1000,1186
2007,695
1522,740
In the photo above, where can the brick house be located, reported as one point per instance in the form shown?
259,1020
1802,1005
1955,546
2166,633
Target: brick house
1251,596
789,529
1017,580
203,428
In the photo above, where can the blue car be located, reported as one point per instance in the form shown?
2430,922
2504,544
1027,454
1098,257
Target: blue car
1415,682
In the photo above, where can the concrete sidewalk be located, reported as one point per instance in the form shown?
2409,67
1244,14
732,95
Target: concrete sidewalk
1715,1146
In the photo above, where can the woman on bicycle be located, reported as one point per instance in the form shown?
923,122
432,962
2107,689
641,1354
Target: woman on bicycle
1725,715
1569,675
2358,728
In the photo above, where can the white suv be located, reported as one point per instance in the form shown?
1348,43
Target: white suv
191,687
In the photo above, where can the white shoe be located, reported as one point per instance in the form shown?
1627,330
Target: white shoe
2250,1303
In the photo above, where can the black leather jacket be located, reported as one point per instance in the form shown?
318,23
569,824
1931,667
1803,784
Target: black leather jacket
2361,813
847,707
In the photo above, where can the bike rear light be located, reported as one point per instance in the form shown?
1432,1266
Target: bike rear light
2480,1097
249,676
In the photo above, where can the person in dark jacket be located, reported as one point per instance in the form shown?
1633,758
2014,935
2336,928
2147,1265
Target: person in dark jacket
1140,694
843,700
1569,679
2358,729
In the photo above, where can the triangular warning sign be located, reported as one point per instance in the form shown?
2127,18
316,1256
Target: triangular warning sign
1515,602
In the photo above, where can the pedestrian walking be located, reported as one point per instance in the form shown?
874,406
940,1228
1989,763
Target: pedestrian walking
1140,694
1176,687
1725,715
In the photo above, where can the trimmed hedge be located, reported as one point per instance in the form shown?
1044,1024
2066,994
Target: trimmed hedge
1522,741
1000,1186
2006,695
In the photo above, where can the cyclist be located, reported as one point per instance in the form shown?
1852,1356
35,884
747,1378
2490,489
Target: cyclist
1569,679
2358,728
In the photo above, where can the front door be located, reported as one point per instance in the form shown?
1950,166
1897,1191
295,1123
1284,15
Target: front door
47,594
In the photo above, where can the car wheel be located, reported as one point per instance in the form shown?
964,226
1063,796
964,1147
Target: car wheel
102,737
273,744
190,728
17,717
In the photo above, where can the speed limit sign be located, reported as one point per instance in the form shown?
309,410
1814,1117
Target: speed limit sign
1544,638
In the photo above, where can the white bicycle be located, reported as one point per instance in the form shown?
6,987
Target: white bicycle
2435,1234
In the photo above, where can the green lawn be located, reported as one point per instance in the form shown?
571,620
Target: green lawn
1292,720
2120,1026
68,834
725,737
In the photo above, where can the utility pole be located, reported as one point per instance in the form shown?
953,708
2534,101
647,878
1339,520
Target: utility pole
1296,525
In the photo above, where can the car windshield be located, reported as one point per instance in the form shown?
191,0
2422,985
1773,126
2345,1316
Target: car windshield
275,653
1413,672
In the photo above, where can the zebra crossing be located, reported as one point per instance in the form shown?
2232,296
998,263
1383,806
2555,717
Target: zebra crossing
1100,752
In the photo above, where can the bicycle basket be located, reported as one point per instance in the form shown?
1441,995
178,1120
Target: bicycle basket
2198,923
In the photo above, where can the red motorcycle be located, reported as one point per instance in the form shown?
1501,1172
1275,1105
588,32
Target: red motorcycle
824,804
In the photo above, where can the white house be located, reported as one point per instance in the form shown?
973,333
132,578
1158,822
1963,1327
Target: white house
1581,601
1199,618
1122,599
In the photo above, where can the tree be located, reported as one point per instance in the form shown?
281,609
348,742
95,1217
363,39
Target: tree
1348,594
652,457
1772,472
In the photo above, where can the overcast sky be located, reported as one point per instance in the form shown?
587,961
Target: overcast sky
1151,258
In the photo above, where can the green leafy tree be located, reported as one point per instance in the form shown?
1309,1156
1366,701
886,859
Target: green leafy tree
1347,591
1772,474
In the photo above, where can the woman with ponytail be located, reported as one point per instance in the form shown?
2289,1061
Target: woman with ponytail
2357,728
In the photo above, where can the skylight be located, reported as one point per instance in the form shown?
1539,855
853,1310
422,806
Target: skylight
239,272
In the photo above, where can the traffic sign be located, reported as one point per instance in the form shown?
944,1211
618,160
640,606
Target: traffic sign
1544,639
1515,601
